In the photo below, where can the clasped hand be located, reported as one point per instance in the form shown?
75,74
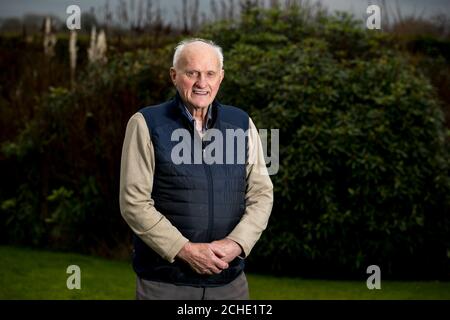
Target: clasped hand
210,258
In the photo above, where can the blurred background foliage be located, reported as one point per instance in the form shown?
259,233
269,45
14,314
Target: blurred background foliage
364,139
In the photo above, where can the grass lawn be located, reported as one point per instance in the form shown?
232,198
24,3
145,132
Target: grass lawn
32,274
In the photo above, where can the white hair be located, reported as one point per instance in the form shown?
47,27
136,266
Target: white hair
181,45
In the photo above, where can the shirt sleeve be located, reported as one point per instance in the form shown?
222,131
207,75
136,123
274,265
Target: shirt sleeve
259,196
136,183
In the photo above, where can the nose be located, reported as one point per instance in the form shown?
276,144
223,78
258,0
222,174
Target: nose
201,81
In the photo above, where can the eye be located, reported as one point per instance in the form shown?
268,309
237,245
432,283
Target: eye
190,74
211,74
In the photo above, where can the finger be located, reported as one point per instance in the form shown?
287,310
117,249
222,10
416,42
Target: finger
211,270
215,270
219,263
202,271
217,251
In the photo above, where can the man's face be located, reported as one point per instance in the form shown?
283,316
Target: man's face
197,75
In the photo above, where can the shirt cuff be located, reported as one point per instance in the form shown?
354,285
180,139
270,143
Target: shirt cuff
241,243
177,246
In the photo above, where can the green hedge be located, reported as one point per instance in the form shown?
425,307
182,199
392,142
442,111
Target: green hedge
364,157
64,189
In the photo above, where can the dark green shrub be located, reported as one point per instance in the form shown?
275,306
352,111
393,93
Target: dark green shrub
69,156
364,175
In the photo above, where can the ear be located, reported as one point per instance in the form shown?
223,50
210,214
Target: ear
173,75
222,75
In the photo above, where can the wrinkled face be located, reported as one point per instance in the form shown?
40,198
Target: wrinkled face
197,75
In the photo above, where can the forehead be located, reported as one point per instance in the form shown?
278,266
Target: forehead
199,55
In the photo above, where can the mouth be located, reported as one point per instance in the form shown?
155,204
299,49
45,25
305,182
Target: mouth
200,92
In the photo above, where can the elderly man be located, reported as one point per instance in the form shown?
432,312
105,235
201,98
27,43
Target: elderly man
193,223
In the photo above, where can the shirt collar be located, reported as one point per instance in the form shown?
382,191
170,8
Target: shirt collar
206,124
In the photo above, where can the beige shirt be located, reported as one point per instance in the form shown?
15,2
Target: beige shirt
138,207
